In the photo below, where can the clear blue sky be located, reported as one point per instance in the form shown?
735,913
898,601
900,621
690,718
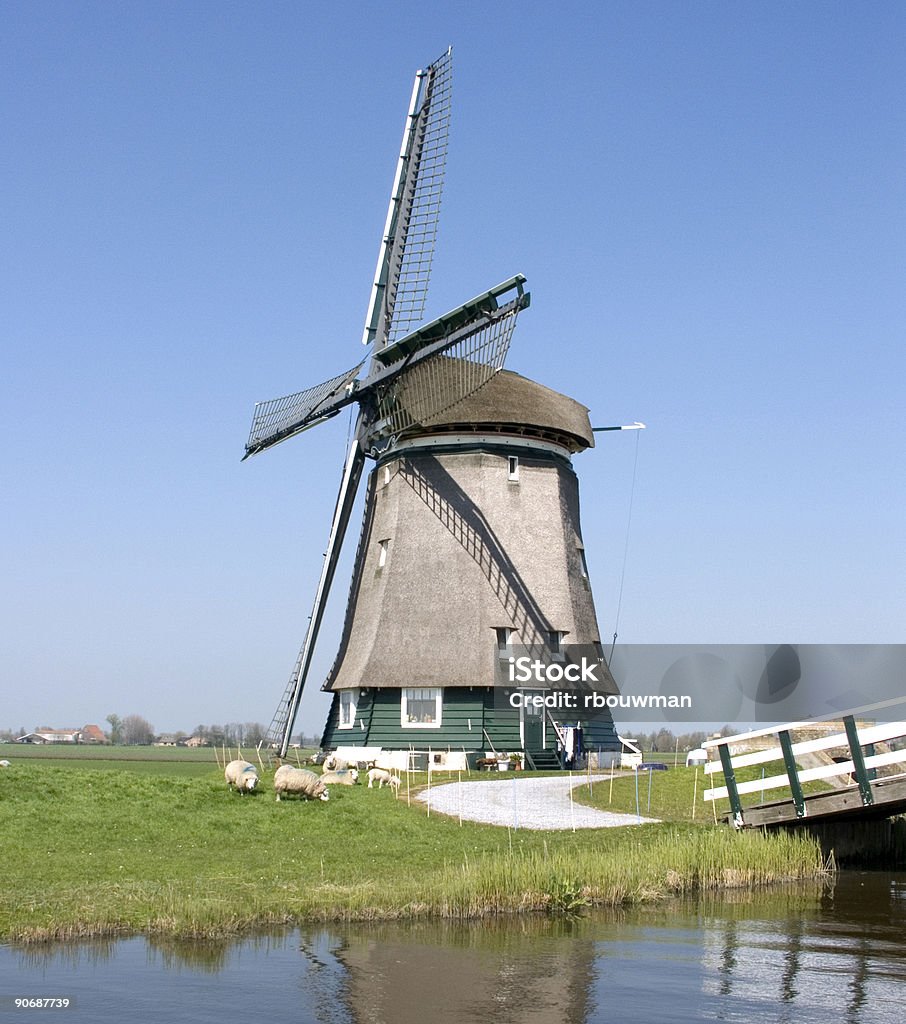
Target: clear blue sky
709,203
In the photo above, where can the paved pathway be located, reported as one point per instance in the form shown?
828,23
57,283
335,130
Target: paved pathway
541,803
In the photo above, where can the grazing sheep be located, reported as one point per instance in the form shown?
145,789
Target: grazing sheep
348,777
301,781
241,774
380,776
4,763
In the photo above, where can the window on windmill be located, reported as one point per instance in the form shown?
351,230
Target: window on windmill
382,553
599,650
555,643
513,467
420,707
386,475
504,633
583,562
348,701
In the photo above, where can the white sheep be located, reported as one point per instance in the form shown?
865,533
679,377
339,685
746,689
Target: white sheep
241,774
347,777
332,763
4,763
301,781
380,776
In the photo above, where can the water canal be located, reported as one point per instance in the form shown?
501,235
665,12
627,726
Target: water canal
789,955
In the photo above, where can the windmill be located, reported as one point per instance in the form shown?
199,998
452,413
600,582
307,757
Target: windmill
425,395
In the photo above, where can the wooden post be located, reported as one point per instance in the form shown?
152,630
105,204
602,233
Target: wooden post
572,806
726,763
792,772
855,750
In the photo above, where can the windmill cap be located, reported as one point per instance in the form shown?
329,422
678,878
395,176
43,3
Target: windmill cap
511,403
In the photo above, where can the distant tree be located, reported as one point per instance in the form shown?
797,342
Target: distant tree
691,740
254,733
116,728
137,731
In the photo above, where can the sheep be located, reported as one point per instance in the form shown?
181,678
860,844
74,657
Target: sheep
380,776
299,780
242,775
349,777
333,763
4,763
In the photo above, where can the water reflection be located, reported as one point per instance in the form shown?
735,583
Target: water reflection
797,955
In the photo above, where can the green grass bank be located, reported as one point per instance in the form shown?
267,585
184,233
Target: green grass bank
95,852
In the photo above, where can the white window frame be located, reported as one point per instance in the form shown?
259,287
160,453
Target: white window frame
513,468
438,707
383,545
555,643
352,704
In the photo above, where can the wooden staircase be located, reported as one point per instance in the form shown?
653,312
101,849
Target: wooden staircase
542,761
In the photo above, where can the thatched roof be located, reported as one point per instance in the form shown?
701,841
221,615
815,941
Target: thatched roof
509,402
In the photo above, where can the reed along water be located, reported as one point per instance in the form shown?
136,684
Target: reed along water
806,954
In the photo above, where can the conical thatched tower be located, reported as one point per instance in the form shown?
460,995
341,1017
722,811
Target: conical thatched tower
470,551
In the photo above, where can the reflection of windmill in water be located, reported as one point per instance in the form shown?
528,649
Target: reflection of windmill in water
470,545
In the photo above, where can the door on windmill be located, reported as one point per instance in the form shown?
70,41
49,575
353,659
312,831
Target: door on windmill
532,723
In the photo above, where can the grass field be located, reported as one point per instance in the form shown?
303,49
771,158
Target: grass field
106,851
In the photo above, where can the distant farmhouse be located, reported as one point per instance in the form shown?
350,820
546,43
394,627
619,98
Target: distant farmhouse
87,734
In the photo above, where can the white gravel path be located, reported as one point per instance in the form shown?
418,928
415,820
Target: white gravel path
539,803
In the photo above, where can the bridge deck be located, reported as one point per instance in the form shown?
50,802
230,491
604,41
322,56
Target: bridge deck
889,799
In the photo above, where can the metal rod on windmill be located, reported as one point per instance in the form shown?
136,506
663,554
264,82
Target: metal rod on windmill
626,426
402,388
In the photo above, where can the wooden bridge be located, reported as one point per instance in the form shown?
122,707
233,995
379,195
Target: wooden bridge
847,760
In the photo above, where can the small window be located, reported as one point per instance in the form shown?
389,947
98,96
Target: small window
503,641
583,562
513,467
599,650
420,707
348,701
386,475
382,553
555,643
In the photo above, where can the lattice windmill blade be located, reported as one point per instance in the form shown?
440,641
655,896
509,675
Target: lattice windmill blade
285,716
410,232
276,420
430,388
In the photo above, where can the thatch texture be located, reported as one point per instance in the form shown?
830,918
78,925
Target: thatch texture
511,403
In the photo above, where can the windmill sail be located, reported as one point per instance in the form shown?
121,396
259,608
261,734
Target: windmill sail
280,418
407,249
438,383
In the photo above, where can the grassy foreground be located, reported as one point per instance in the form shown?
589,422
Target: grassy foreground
93,852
